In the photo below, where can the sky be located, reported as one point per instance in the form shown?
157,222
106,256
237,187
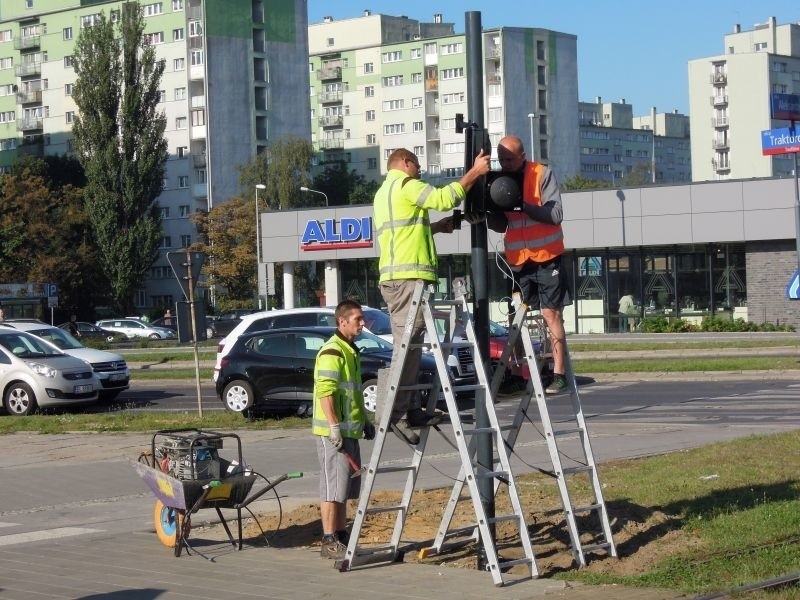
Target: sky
632,49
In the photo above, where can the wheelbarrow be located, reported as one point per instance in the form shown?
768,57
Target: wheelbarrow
186,473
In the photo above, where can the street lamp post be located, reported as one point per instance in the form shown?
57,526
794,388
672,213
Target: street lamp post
531,117
307,189
259,186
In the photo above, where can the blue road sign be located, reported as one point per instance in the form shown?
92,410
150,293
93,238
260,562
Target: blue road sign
785,106
793,289
780,141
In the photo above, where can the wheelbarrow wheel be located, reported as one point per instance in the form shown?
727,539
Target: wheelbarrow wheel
167,521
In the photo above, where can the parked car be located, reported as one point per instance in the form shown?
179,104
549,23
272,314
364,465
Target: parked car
90,331
224,324
375,321
275,369
165,322
35,374
111,369
134,328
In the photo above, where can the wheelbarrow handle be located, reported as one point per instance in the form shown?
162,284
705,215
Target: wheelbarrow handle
272,484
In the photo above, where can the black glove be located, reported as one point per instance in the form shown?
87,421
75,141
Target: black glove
369,430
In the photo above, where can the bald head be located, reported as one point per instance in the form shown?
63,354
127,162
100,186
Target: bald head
511,154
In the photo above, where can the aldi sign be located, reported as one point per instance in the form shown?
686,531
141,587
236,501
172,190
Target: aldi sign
780,141
333,234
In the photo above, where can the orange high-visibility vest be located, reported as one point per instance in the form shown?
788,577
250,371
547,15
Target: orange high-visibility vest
526,239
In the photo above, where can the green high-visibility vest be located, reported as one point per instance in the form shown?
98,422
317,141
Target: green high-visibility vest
403,228
337,373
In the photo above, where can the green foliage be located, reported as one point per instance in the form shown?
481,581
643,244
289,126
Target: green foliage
661,324
344,186
579,182
119,140
283,169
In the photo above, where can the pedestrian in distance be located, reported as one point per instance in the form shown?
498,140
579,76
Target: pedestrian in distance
338,422
168,318
408,255
625,312
534,243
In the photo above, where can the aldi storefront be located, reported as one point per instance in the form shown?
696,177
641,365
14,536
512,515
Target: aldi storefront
724,248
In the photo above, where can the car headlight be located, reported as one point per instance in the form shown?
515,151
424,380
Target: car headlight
43,370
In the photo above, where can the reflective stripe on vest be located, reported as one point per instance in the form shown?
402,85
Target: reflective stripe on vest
526,239
348,402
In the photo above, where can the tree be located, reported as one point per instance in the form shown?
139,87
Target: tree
639,175
229,238
119,141
344,186
284,169
579,182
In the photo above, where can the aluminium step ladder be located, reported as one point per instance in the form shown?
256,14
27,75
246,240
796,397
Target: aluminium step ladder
356,554
601,538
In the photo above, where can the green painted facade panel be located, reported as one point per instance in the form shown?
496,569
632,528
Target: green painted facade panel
279,21
232,18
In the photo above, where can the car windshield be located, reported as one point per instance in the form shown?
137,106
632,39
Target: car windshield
377,321
368,342
58,337
27,346
496,330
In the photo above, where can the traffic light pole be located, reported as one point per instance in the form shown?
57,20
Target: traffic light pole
194,333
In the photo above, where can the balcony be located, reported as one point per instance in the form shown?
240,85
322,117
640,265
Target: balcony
198,101
719,100
719,121
720,144
29,124
431,85
332,143
328,97
432,110
331,121
196,42
28,69
35,148
27,42
32,97
494,78
493,52
199,161
200,190
329,73
719,78
721,166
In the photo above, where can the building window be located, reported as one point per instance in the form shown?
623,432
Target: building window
330,41
394,128
416,102
177,5
180,93
370,114
393,105
182,151
416,53
162,96
67,62
369,91
372,139
457,147
177,34
454,98
150,10
183,181
454,73
417,126
67,33
179,64
165,212
455,48
369,67
154,38
760,46
166,242
186,241
6,35
419,150
416,78
68,89
69,116
184,210
495,115
195,28
196,57
393,81
393,56
89,21
372,163
180,123
198,118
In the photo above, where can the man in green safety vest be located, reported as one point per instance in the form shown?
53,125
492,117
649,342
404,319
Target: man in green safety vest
339,421
407,255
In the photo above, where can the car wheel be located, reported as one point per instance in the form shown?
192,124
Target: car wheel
238,396
19,400
370,391
109,338
154,336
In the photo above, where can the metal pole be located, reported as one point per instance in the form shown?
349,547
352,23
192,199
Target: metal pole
194,334
259,186
796,209
480,274
532,116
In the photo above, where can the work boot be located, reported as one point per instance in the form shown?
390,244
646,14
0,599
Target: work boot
558,385
417,417
332,548
403,430
343,535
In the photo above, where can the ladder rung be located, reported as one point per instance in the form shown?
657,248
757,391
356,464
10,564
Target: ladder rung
502,518
468,388
370,550
416,386
451,345
587,508
593,547
518,561
395,469
382,509
568,431
479,430
582,469
492,475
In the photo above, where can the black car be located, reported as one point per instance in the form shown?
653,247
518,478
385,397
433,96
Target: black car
224,324
90,331
275,369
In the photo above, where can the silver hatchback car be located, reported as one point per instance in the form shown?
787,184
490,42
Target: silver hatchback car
35,374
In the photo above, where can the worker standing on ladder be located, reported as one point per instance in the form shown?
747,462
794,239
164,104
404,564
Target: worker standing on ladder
407,255
339,421
534,243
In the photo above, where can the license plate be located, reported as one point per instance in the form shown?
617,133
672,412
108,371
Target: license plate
82,389
116,377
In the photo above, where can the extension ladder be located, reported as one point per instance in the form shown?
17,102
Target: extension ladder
600,538
357,554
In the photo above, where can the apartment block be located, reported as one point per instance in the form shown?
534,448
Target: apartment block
382,82
235,79
614,143
729,100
